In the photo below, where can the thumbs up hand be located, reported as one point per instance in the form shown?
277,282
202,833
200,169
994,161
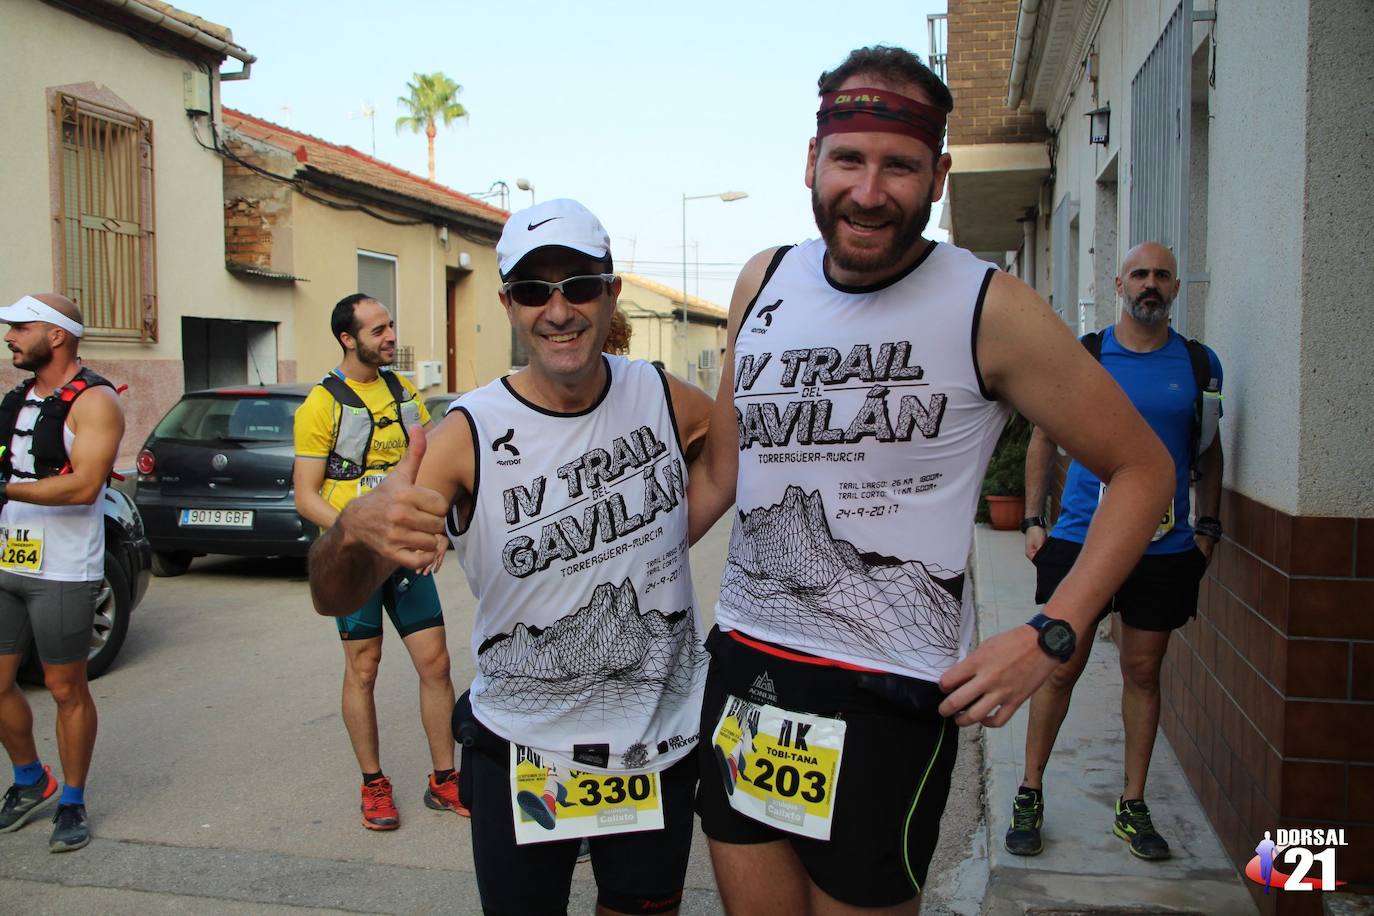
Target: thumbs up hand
398,520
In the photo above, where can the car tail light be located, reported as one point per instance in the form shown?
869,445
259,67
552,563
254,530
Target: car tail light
146,463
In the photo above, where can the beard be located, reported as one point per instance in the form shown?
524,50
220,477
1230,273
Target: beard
865,260
1150,307
35,358
369,356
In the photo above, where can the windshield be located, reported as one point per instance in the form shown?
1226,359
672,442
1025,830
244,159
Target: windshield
265,418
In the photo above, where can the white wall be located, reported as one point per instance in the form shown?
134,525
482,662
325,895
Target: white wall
1336,341
1255,302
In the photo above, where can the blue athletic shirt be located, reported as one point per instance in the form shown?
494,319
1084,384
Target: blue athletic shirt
1161,386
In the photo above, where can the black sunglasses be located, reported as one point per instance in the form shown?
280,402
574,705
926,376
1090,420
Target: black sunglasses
577,290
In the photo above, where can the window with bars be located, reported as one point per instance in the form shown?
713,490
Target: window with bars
405,358
105,215
1161,136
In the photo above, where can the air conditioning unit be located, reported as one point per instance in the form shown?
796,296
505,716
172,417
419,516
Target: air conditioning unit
708,359
431,373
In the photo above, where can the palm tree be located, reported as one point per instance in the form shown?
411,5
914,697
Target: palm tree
432,96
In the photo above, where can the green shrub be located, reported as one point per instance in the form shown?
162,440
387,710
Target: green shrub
1006,474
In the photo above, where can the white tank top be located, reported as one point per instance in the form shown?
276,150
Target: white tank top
73,536
864,432
587,640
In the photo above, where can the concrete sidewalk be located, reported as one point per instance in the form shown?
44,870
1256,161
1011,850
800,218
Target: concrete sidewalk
1085,868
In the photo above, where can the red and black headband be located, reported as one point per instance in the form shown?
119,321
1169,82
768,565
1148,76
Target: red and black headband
863,109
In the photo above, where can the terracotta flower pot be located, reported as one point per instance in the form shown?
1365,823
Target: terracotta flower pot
1006,512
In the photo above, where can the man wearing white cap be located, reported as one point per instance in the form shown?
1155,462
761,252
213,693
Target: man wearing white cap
59,433
563,488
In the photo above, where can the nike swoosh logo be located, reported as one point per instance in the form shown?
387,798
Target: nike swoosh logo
533,226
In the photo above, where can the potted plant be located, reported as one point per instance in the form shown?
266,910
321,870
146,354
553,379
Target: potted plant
1004,484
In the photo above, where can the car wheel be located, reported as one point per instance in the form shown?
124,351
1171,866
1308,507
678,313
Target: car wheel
171,562
112,607
113,603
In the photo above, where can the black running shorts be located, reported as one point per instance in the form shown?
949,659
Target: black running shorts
894,774
1160,593
640,872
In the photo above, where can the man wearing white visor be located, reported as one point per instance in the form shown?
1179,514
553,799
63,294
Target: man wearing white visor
59,434
563,487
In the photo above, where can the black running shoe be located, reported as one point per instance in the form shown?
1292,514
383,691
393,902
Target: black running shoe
23,802
1133,825
71,829
1027,816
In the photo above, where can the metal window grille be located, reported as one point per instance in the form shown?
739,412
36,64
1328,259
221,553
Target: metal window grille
1063,242
1161,100
405,358
108,255
938,26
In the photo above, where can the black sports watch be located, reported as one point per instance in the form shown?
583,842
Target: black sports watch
3,485
1206,526
1033,521
1057,638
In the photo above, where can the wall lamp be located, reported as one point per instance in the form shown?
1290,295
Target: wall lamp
1099,125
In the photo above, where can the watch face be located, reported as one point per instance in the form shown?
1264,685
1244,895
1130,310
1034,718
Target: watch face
1058,637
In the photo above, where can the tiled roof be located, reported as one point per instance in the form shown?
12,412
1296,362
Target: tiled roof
696,304
213,29
252,270
350,164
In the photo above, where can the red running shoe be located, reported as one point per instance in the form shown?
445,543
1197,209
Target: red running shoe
379,809
443,796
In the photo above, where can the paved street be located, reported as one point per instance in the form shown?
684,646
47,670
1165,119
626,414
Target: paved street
223,780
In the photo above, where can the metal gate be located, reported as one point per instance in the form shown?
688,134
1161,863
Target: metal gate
1161,117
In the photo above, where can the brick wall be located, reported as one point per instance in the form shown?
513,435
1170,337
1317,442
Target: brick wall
981,36
247,236
254,205
1268,696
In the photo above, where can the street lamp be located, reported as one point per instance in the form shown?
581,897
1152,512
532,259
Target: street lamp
524,185
726,196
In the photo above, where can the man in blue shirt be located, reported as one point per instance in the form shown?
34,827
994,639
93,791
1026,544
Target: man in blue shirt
1155,368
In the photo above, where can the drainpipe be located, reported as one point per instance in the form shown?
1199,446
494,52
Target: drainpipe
1028,248
1021,51
190,33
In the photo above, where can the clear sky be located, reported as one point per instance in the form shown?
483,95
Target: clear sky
625,106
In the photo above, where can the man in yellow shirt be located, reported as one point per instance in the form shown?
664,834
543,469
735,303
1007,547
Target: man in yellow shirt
350,432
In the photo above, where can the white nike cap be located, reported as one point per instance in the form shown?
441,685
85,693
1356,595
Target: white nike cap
558,223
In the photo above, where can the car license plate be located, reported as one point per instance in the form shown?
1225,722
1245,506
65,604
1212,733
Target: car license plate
216,518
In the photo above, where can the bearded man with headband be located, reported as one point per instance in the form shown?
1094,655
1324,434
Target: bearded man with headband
867,380
60,433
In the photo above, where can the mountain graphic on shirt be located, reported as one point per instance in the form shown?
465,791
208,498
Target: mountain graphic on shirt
787,571
606,661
